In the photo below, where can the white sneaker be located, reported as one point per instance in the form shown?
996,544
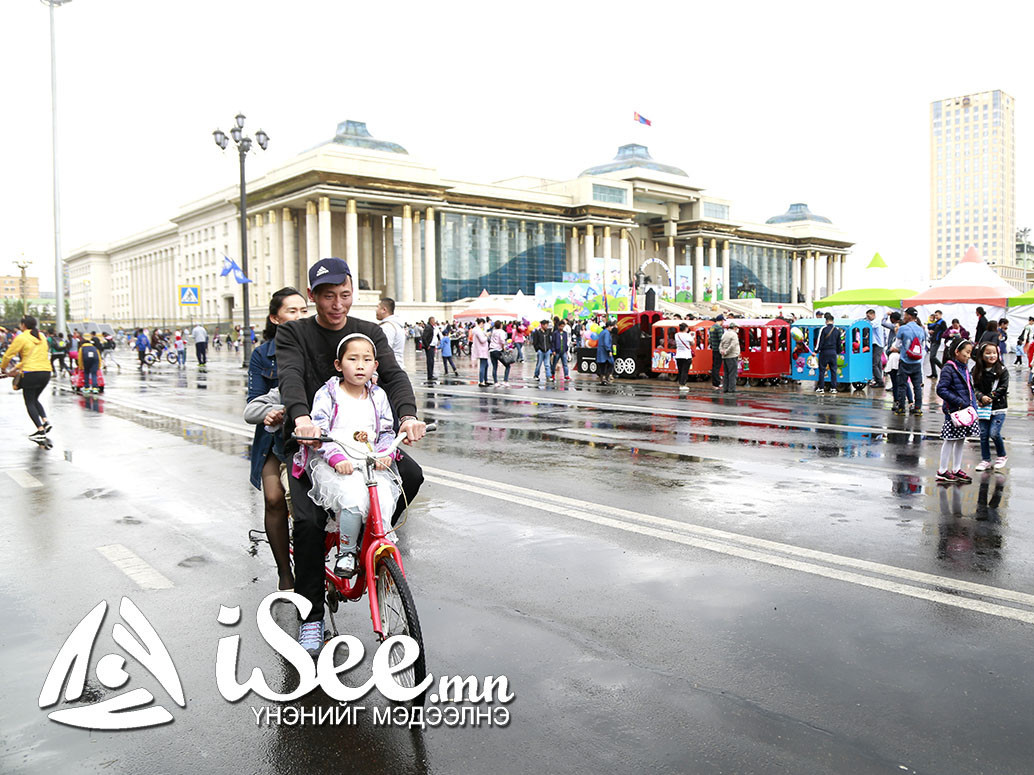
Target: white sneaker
345,565
832,390
983,465
683,388
1000,462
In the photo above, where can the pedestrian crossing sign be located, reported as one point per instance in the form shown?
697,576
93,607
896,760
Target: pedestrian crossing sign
190,295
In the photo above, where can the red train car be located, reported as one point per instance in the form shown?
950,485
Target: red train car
764,349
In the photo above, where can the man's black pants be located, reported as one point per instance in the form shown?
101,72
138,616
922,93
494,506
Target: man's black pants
310,523
430,352
716,369
827,362
201,350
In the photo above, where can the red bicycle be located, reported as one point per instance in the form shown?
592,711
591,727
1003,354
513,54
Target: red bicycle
379,570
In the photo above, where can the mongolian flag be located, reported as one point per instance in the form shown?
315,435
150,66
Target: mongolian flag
642,119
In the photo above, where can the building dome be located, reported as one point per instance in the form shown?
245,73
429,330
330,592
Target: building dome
631,156
355,134
798,212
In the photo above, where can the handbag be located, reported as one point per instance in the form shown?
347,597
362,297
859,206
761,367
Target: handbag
967,416
508,355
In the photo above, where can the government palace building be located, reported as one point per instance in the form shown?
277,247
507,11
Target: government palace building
429,241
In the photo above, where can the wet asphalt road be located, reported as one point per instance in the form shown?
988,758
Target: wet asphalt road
770,582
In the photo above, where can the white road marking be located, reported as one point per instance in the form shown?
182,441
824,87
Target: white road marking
139,571
560,399
243,430
751,548
24,478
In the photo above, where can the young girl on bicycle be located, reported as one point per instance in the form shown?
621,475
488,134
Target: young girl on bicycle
356,410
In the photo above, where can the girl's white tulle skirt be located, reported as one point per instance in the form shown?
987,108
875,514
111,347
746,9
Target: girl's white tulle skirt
347,492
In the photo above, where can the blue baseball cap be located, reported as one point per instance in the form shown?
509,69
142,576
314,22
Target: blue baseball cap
328,271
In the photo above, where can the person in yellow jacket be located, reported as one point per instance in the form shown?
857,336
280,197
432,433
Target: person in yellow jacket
32,348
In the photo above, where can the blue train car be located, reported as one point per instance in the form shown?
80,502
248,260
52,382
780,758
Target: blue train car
854,360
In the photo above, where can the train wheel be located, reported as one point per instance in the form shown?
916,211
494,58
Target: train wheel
592,367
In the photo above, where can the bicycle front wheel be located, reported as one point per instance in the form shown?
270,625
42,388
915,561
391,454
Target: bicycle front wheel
171,356
398,617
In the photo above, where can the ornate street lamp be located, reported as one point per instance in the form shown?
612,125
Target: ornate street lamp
243,143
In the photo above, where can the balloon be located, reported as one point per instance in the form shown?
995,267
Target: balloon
595,328
797,334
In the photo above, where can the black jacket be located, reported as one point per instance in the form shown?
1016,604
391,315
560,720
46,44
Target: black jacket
305,353
542,340
936,333
427,335
829,340
984,385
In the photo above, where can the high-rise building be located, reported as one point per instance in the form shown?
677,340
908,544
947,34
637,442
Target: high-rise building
972,180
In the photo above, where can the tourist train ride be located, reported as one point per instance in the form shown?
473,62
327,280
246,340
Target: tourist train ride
854,356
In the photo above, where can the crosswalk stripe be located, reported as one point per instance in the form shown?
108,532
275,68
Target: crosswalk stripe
133,566
24,478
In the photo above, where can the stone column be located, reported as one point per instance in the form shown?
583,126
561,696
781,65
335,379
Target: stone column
808,280
795,277
275,234
324,228
312,240
590,246
365,250
669,252
352,240
606,245
816,284
572,259
712,262
430,267
258,258
378,253
839,280
830,268
698,270
418,264
623,256
726,269
290,247
406,291
391,285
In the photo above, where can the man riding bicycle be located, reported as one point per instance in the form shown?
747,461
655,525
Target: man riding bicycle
305,351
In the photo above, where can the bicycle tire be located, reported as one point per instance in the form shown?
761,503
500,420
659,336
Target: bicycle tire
399,617
171,356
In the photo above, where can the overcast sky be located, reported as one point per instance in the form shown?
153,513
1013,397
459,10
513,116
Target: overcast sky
763,103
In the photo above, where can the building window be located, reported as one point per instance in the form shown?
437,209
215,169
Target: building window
715,210
608,194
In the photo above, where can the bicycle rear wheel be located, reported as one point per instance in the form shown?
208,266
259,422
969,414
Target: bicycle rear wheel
398,617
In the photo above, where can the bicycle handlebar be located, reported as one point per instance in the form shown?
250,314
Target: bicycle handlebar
363,453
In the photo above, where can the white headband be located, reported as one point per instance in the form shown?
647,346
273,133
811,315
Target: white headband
348,338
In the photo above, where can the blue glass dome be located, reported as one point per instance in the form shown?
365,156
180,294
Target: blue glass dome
798,212
631,156
356,134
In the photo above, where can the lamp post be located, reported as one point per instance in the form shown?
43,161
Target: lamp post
243,146
59,279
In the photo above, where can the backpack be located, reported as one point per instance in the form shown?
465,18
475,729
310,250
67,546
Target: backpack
915,349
